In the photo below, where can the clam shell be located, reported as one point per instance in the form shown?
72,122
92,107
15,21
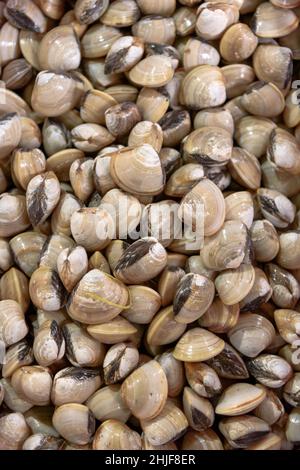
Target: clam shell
240,398
198,345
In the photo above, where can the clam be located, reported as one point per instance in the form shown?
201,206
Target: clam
14,286
124,54
107,403
270,21
9,42
168,282
193,296
265,240
174,372
41,441
260,292
115,435
153,71
122,13
74,385
175,126
13,325
25,14
164,328
6,255
60,162
13,431
184,179
264,59
120,360
155,28
288,256
282,143
141,261
33,383
219,317
145,303
210,146
146,403
227,248
229,364
42,195
59,50
49,344
239,206
81,178
197,345
198,52
198,411
285,287
237,78
114,331
152,104
162,7
18,355
89,11
61,216
244,168
271,408
214,117
252,133
202,379
276,207
52,248
161,220
201,440
13,214
258,96
252,334
138,170
121,118
242,431
203,87
240,398
74,422
214,18
72,265
237,43
146,132
26,164
169,425
12,399
293,425
291,113
270,370
233,285
81,349
203,208
288,324
92,227
46,290
97,297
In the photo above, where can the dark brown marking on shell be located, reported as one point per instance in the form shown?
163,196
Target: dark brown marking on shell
269,205
7,117
229,364
162,49
173,119
204,159
91,423
111,371
279,276
183,292
245,441
89,13
21,20
134,253
79,374
257,368
289,72
24,350
37,204
199,418
255,303
116,62
58,287
56,334
70,351
50,443
255,87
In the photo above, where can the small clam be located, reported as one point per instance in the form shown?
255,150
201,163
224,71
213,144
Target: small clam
233,285
145,303
282,143
288,256
153,71
13,326
252,133
237,78
146,132
197,345
202,379
215,117
18,355
227,248
184,179
122,13
264,59
175,126
91,137
258,96
52,248
210,146
61,216
115,251
239,206
12,399
115,435
214,18
6,255
146,403
138,170
276,207
49,344
201,440
219,318
265,240
81,178
89,11
141,261
74,422
152,104
120,360
114,331
242,431
240,398
270,370
285,287
81,349
203,87
193,297
293,425
33,383
17,74
121,118
14,286
271,408
13,214
161,220
164,329
168,282
92,227
46,290
39,441
26,164
174,372
288,324
124,54
72,264
260,292
25,14
9,42
161,7
98,297
252,334
198,52
198,411
154,28
42,195
66,90
270,21
61,161
59,50
229,364
237,43
74,385
164,50
107,403
13,431
168,426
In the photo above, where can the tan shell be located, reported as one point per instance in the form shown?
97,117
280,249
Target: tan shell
202,87
257,98
145,303
168,426
98,297
145,390
208,146
17,355
198,411
146,132
174,372
81,349
214,18
198,345
107,403
115,435
252,334
229,364
219,318
46,290
59,50
92,227
270,370
164,329
155,29
239,206
215,117
269,21
240,398
112,332
276,207
252,133
13,431
74,422
49,344
264,59
201,440
237,78
152,104
13,325
74,385
33,383
227,248
233,285
286,292
288,324
153,71
237,43
13,214
242,431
